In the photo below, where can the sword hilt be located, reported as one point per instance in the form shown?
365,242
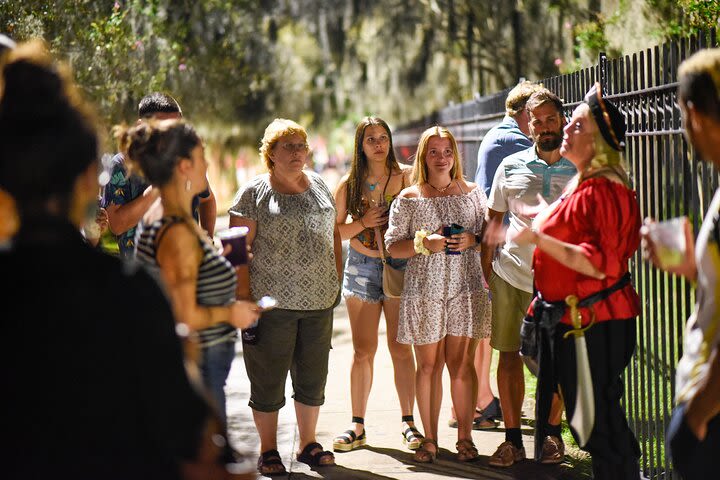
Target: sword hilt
576,317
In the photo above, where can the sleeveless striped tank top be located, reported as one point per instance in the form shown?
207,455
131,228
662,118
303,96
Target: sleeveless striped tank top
216,280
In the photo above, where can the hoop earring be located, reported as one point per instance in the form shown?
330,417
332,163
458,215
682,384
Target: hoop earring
188,185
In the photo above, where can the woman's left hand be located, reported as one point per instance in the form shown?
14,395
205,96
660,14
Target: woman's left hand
460,242
526,236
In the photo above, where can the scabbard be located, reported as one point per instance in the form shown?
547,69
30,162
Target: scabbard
547,315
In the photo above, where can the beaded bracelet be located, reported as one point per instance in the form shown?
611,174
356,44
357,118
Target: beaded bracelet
418,245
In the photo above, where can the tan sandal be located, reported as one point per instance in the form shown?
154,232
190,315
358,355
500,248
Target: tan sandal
423,455
466,451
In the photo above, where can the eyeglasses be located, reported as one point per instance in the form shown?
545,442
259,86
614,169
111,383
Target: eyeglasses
381,140
294,147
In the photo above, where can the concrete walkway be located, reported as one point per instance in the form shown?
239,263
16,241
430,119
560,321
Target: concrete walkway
384,457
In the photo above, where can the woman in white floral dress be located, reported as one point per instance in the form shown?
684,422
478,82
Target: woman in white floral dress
444,306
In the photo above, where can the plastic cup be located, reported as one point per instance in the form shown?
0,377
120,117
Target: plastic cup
669,240
236,238
92,230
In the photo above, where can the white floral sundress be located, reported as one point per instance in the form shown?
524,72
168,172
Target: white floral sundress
443,294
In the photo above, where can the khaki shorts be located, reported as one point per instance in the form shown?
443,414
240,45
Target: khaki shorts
509,306
294,341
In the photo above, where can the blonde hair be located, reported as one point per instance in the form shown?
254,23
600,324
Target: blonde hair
280,127
420,172
699,82
605,160
705,61
518,96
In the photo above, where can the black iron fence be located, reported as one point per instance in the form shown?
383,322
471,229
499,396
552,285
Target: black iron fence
669,181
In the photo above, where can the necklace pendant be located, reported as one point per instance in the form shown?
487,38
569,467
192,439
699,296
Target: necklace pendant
371,187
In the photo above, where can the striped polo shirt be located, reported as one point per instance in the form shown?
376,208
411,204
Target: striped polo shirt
523,176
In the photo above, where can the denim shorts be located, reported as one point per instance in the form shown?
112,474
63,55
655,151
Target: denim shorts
363,276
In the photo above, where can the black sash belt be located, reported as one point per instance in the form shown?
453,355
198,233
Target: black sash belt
540,331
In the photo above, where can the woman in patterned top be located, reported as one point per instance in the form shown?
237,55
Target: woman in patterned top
200,281
443,310
297,258
365,194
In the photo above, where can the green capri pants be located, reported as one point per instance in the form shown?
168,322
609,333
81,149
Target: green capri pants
297,341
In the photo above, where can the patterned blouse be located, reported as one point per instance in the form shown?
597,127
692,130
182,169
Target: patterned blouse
443,294
293,250
121,189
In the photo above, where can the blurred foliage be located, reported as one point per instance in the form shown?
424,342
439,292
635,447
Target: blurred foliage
685,17
590,37
235,65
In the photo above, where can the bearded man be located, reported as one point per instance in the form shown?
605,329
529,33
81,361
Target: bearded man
533,177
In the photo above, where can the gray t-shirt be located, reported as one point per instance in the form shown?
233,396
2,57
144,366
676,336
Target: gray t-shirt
293,251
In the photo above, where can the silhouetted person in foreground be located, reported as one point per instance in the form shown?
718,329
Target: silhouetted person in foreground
91,392
693,436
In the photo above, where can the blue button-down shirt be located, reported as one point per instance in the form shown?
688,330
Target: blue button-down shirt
499,142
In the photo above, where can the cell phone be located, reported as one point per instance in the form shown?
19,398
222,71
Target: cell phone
448,231
266,303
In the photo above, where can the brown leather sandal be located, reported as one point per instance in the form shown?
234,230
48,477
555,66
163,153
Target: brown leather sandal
423,455
466,451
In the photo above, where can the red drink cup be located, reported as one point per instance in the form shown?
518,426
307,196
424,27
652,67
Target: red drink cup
236,238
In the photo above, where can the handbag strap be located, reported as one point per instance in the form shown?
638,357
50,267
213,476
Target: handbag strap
379,240
381,244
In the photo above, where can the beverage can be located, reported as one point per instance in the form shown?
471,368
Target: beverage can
448,231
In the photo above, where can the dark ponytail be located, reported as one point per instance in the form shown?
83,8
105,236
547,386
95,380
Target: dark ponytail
153,148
